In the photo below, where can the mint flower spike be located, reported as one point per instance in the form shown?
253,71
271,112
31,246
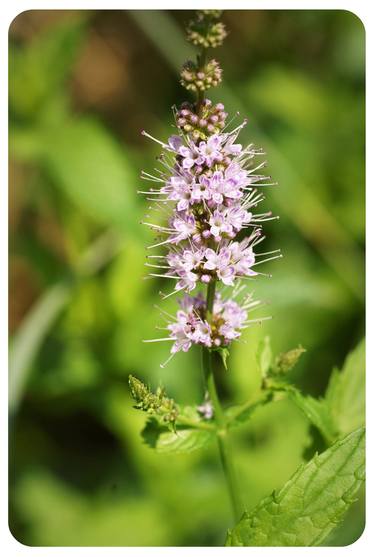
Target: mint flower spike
205,200
209,193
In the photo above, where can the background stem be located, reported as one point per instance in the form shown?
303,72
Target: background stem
222,436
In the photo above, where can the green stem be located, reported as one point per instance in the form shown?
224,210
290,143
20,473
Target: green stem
222,432
201,62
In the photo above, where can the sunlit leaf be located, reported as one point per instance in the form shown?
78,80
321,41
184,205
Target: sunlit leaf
311,503
345,394
183,440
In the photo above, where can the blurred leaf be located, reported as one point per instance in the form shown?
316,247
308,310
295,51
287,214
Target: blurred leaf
296,98
60,514
90,167
30,336
264,355
345,394
287,518
37,323
184,440
36,72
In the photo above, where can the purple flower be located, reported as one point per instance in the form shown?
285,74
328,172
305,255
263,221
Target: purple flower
219,224
210,150
191,156
206,409
220,262
191,327
184,226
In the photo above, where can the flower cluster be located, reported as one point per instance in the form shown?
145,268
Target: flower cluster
210,120
205,31
195,78
192,327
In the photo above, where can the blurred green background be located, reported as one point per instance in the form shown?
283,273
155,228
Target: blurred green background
82,86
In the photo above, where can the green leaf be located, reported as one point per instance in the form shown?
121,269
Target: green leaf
345,394
316,410
41,317
264,355
240,414
183,440
37,71
311,503
92,170
30,336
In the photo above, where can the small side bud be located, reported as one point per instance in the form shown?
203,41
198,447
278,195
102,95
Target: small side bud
153,403
138,390
287,360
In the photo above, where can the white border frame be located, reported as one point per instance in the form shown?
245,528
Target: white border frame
363,10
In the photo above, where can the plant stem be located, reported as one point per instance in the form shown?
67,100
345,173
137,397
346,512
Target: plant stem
201,62
222,432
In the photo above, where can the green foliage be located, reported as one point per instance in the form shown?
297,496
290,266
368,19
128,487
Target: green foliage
38,72
182,440
315,410
343,408
238,415
311,503
345,395
92,170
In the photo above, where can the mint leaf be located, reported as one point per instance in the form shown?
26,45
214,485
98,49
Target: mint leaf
182,440
240,414
345,394
317,411
311,503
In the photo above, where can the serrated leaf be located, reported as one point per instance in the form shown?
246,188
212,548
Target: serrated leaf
311,503
264,355
183,440
317,411
345,394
